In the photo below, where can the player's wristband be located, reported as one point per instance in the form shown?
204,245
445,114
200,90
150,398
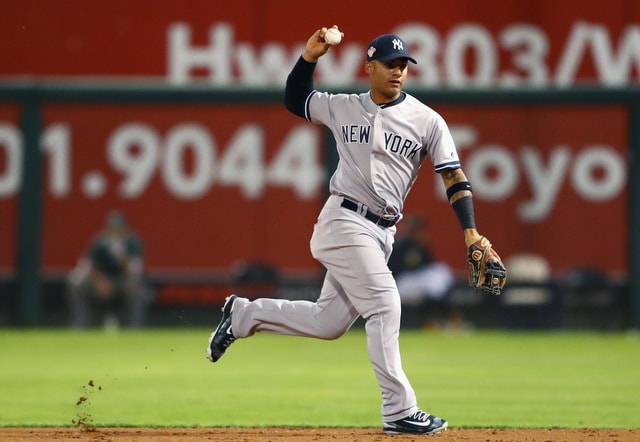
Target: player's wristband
457,187
464,211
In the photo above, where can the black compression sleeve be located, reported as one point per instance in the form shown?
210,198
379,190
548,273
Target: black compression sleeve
464,211
298,87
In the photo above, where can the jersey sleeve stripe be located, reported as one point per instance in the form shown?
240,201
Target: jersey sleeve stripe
447,165
307,114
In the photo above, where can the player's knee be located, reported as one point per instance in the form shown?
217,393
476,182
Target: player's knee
333,331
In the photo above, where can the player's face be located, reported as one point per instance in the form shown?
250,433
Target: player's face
387,78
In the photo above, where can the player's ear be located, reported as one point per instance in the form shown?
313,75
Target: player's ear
367,67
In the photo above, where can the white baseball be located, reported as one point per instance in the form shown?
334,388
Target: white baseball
332,36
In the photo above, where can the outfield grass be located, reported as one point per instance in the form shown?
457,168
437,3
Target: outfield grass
161,378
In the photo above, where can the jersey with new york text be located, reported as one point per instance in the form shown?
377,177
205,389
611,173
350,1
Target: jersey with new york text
381,147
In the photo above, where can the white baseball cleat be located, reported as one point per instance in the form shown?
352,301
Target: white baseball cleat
417,423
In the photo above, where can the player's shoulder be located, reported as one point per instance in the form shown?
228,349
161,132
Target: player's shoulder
417,106
335,98
412,101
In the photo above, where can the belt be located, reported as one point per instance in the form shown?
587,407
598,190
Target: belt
378,220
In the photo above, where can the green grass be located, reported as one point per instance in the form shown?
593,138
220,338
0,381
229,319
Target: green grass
161,378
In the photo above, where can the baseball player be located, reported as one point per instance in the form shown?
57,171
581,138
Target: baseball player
383,136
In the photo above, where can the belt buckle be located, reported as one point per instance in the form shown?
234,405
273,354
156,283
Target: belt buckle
384,222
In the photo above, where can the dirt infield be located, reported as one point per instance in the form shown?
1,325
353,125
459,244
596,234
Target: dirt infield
280,434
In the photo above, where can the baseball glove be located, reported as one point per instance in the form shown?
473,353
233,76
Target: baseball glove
487,272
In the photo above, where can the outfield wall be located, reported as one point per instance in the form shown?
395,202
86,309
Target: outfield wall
134,151
212,182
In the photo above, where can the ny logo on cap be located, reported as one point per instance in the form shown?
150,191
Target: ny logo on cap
397,44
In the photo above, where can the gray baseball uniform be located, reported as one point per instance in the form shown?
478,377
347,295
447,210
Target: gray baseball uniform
381,149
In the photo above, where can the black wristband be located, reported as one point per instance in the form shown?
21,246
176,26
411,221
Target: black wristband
464,211
457,187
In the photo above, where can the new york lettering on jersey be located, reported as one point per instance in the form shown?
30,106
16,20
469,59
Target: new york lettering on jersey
355,133
402,146
360,134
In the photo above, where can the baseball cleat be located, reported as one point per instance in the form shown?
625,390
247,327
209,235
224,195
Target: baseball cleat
418,423
222,337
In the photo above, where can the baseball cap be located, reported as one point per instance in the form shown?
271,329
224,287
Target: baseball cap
388,47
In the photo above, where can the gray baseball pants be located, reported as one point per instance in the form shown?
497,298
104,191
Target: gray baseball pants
358,283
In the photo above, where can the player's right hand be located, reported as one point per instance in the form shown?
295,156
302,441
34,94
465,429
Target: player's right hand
316,46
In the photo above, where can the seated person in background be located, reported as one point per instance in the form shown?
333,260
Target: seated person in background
418,275
109,276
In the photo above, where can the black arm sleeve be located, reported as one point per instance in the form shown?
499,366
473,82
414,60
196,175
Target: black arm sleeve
463,207
298,87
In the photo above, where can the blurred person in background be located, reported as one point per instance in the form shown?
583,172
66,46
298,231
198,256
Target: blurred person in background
109,278
419,276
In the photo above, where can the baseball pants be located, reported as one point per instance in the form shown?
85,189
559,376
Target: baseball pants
357,283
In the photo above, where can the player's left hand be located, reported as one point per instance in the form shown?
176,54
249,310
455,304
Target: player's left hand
487,272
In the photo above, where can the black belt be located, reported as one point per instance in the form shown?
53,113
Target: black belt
378,220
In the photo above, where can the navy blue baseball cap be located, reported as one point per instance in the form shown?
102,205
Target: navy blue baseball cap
387,47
